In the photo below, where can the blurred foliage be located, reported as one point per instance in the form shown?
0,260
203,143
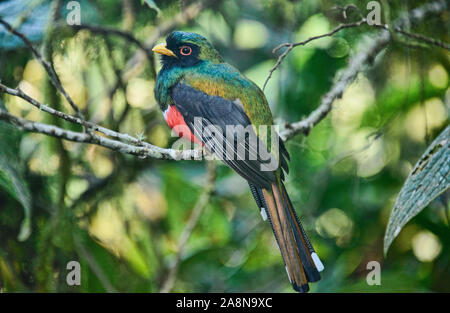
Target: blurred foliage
121,216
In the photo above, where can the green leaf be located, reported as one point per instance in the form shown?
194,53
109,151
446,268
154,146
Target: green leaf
11,175
152,5
428,180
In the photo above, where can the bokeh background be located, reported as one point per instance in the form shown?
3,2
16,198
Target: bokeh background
121,217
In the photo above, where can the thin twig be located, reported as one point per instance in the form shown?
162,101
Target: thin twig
191,223
97,29
418,37
47,66
291,46
415,15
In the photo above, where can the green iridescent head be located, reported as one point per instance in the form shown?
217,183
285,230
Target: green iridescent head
186,49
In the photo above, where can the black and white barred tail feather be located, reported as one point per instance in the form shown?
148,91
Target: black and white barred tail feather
301,261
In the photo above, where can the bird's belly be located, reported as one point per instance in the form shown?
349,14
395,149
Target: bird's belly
176,121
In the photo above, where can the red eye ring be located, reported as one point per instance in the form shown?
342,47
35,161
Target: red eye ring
185,50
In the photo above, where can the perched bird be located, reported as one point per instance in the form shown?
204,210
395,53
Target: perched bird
198,91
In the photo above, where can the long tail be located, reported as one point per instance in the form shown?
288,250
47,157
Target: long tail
301,261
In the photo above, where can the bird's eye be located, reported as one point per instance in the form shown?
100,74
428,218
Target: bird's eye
185,50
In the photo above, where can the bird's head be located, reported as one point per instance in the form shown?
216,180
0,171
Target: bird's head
185,49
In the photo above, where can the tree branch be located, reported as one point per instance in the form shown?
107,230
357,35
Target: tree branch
134,146
70,118
418,37
355,65
416,14
147,150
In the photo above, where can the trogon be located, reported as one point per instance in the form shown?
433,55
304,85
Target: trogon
201,96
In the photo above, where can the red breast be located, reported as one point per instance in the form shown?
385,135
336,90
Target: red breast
176,121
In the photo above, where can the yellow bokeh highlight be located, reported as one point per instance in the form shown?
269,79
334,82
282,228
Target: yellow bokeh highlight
371,151
250,34
315,25
69,67
19,107
368,152
72,81
108,226
32,85
101,163
426,246
43,164
34,72
75,187
134,123
159,135
424,118
348,111
140,94
102,109
438,76
400,73
149,201
118,103
334,223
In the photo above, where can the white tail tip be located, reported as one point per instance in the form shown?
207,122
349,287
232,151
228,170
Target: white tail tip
317,262
289,276
263,214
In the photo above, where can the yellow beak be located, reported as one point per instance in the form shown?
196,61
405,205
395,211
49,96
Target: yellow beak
161,49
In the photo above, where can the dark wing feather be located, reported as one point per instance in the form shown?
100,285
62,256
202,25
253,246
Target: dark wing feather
216,113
